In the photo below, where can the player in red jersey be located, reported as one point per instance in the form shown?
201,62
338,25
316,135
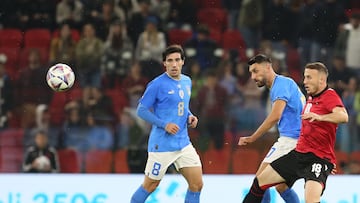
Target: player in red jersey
314,157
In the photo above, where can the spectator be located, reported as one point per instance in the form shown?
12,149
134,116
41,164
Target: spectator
41,158
211,104
128,8
36,14
138,19
203,47
226,77
306,31
110,12
32,78
250,21
131,129
117,56
98,135
233,9
73,130
6,94
348,44
88,57
339,75
149,48
43,123
70,11
328,17
182,14
62,48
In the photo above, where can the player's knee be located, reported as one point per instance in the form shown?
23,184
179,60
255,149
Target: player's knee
281,188
196,186
151,186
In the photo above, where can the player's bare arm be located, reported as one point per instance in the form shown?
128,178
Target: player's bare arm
338,115
192,121
269,122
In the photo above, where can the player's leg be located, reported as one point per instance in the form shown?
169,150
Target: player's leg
288,194
189,165
268,178
283,146
143,192
155,170
313,191
193,176
266,197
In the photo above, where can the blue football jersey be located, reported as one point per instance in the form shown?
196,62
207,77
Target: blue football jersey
169,100
284,88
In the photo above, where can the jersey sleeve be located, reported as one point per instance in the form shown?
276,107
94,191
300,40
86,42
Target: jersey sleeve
282,91
332,100
149,97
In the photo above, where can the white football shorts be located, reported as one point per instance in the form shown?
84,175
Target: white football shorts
158,162
281,147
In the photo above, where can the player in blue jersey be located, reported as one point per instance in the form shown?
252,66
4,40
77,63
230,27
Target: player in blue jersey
287,104
165,104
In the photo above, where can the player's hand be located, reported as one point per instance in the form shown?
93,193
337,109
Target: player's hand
245,140
172,128
311,117
192,121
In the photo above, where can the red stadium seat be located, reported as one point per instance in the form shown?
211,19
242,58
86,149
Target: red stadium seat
118,98
75,34
233,40
245,161
355,156
216,161
216,35
121,162
69,161
98,161
11,159
209,3
37,38
56,108
12,55
11,38
178,36
214,18
12,138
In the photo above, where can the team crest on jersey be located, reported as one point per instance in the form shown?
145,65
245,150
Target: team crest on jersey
181,94
188,90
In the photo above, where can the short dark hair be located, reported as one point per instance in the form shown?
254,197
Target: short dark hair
260,58
317,66
175,48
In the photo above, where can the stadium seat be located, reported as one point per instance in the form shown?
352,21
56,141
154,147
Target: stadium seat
233,40
75,34
98,161
342,159
11,159
11,38
214,18
12,55
69,161
209,3
178,36
12,138
216,161
216,35
121,162
37,38
245,161
355,156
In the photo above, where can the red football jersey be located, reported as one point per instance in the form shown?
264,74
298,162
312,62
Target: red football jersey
318,137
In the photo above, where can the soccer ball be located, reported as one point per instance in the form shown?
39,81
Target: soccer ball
60,77
43,162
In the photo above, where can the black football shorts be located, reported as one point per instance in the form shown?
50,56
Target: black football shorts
296,165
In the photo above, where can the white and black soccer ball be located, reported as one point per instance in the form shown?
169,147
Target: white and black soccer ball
60,77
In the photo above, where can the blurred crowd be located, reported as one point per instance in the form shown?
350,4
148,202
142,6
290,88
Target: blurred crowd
115,46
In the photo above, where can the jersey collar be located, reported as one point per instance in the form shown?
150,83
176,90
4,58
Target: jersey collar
316,95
